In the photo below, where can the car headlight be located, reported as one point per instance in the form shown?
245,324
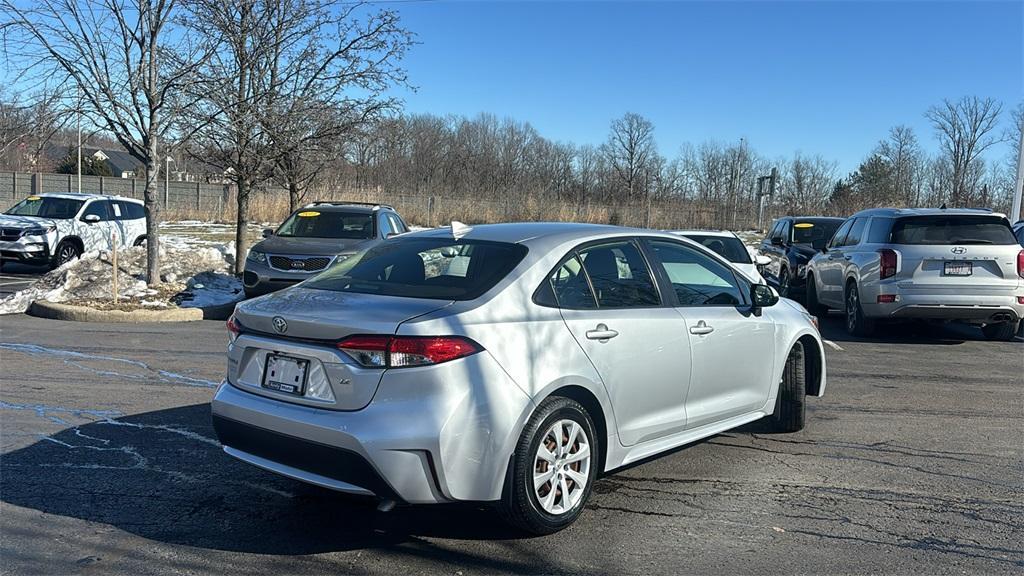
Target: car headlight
39,230
256,256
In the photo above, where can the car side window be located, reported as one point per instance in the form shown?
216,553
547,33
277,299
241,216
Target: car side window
99,208
786,233
856,231
567,287
385,226
619,276
1020,235
776,231
698,279
840,235
134,211
396,223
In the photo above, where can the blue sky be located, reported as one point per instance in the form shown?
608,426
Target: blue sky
819,77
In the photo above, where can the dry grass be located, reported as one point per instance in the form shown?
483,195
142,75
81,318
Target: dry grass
418,209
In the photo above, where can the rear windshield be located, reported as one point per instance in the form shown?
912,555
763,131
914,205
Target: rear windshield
732,249
311,223
817,233
46,207
952,229
432,268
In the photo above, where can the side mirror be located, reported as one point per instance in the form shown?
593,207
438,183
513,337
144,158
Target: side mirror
776,241
268,232
762,260
91,218
763,295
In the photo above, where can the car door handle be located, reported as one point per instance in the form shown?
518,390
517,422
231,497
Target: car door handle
602,333
701,328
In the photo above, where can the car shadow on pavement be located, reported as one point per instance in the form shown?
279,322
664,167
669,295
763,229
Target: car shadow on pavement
162,475
833,328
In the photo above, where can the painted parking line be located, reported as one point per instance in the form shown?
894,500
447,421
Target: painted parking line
833,345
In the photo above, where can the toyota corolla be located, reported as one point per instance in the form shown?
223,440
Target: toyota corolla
508,363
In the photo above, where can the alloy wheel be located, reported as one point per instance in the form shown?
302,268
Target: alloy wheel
561,467
852,304
67,253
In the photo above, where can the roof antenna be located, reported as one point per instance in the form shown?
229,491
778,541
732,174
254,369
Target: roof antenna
459,229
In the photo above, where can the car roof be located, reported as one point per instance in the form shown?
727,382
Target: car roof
346,206
896,212
813,218
84,196
542,233
718,233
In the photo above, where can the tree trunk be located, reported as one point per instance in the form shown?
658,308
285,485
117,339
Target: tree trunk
242,224
293,195
152,202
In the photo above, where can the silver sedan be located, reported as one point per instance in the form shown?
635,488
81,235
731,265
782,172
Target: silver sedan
508,363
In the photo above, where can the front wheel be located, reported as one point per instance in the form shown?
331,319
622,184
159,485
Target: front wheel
66,252
789,414
553,468
784,282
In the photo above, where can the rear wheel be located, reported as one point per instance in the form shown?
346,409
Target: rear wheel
856,323
789,412
812,304
784,281
140,241
1000,331
553,468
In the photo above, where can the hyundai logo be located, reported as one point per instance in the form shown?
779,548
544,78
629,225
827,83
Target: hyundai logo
958,250
280,325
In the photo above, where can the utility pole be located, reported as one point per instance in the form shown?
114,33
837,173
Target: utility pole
761,194
79,121
1015,210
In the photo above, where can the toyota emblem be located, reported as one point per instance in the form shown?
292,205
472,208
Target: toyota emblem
958,250
280,325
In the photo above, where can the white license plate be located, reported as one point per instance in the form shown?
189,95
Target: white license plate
959,268
285,374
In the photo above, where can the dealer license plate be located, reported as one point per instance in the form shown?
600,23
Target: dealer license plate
285,374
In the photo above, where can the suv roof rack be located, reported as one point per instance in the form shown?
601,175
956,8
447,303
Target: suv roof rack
348,203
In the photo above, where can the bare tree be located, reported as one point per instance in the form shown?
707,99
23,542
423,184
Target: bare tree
630,150
126,61
965,129
903,153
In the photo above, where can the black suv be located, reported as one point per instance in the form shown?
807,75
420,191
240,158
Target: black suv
790,244
313,238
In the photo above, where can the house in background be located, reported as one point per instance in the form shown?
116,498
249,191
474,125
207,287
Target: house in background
122,164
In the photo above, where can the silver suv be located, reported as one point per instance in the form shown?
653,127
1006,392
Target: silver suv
314,237
933,264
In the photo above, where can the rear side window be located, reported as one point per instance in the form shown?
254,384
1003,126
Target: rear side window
952,229
431,268
854,236
567,287
878,232
619,276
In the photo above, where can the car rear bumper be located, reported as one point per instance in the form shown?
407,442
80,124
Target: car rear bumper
431,434
988,306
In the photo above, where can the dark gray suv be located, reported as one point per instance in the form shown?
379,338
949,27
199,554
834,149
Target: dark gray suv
314,237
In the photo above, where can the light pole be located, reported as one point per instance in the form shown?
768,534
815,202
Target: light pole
79,122
167,179
1015,211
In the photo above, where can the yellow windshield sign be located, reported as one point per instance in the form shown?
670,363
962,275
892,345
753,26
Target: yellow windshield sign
33,198
309,214
803,225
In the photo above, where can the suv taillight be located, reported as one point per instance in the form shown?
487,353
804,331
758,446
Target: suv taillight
886,263
1020,263
404,351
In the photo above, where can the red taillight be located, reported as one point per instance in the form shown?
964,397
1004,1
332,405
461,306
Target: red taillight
886,298
233,326
1020,263
404,351
886,263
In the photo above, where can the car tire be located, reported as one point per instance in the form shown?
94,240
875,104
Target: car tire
140,241
784,281
856,323
525,504
66,251
811,300
789,414
1004,331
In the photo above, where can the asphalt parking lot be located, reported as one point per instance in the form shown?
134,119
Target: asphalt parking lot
16,277
913,462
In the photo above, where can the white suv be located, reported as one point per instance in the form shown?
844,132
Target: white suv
56,228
